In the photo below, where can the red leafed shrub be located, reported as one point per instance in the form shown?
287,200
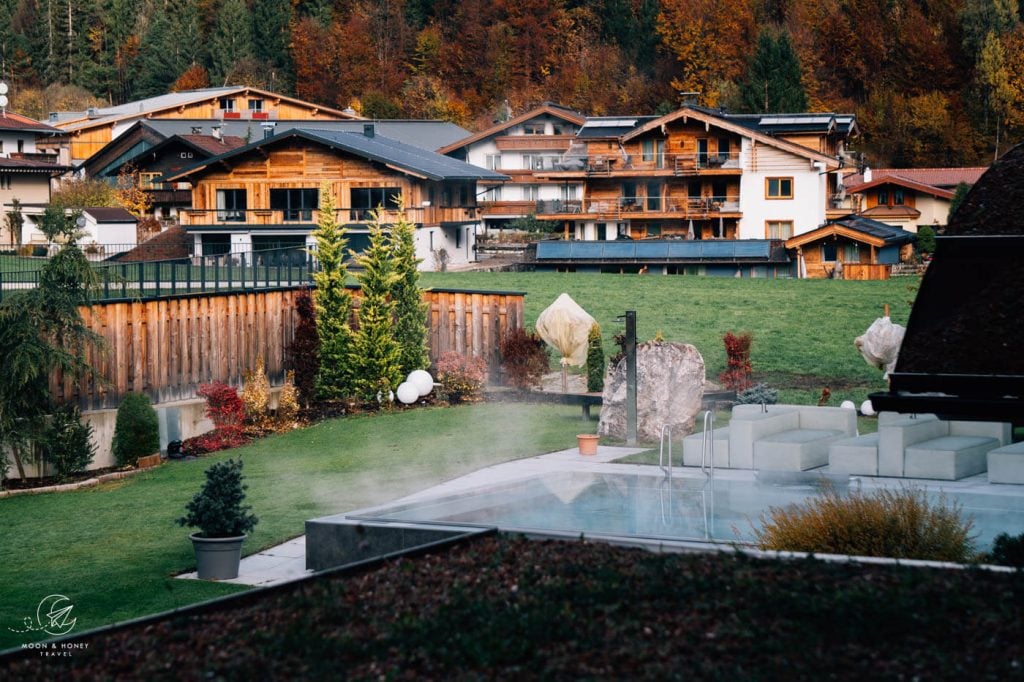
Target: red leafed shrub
461,376
524,357
736,377
224,406
212,441
225,409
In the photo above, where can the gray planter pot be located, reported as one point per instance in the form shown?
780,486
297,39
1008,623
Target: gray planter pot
217,558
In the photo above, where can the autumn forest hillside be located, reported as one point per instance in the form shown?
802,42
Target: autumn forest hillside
933,82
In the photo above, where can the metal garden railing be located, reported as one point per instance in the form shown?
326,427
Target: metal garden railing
145,279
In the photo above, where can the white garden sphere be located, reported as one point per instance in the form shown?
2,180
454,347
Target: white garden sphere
421,379
848,405
866,408
407,393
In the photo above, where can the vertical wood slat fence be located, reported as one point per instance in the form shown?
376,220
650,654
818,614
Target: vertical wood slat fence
168,347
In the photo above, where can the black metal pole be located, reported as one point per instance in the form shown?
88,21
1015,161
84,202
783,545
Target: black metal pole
631,417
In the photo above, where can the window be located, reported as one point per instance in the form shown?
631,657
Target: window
654,196
897,197
533,129
231,205
255,105
365,199
492,193
654,229
492,161
653,150
629,197
851,253
778,188
146,182
5,181
779,229
883,197
226,103
21,146
295,204
570,192
702,153
216,244
723,149
531,192
533,162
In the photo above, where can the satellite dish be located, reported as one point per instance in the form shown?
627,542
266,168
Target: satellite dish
3,88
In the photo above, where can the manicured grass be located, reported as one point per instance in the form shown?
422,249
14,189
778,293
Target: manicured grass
113,550
803,329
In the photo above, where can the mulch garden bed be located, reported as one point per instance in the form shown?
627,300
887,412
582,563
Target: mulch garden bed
517,609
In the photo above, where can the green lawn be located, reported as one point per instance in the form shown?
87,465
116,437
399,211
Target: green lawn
113,550
803,329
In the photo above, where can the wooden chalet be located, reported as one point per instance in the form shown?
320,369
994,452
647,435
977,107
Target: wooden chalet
853,247
701,174
89,131
26,174
524,147
266,194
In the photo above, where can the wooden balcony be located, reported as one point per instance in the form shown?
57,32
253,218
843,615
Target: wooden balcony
647,208
533,142
505,208
630,165
307,218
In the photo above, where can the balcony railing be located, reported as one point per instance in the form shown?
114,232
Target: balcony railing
428,215
639,206
530,142
618,164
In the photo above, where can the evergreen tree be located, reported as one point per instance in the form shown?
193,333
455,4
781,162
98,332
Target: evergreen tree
772,83
333,303
271,35
170,46
376,355
231,41
410,310
959,194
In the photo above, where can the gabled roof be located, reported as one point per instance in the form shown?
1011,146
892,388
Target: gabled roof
857,228
783,124
396,155
548,108
612,126
110,215
209,144
13,122
899,181
723,123
71,121
944,178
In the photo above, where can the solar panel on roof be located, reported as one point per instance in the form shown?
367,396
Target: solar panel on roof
717,249
610,123
690,250
652,249
619,250
793,120
752,249
547,250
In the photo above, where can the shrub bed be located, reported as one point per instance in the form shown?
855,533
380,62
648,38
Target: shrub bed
517,609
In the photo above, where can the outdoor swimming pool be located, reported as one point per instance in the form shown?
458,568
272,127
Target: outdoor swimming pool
684,508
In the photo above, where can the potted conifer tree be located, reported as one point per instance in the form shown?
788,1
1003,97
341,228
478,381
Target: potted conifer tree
223,521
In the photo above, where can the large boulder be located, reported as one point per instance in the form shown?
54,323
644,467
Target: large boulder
670,388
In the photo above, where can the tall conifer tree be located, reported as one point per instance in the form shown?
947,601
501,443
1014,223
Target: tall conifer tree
333,303
376,355
773,81
410,310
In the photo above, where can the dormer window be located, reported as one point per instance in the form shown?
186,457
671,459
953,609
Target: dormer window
255,105
226,103
533,129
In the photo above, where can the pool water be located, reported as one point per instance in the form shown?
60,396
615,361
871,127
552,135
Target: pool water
652,506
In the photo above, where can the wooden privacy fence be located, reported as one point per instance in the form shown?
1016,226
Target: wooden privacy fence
167,348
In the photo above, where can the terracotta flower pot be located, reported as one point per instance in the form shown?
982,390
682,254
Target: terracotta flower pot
587,443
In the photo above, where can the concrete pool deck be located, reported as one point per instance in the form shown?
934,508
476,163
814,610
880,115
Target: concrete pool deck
287,561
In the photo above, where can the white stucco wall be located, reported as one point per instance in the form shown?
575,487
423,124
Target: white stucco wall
109,233
807,207
460,249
